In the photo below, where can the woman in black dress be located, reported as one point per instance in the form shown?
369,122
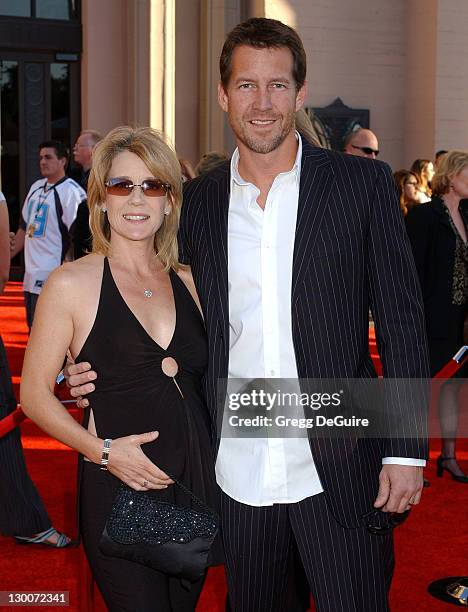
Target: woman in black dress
131,311
438,234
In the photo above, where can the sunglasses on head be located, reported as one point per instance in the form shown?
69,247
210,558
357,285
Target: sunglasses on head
153,188
367,150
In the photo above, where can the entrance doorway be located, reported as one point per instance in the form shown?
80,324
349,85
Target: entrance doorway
40,94
38,101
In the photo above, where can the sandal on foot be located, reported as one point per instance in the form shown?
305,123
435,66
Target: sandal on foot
43,537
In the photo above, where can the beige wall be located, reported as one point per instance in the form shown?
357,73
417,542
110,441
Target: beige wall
355,51
451,99
104,64
420,80
115,63
404,60
187,74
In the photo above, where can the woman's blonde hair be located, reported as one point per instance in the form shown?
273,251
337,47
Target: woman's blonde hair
450,165
150,146
305,127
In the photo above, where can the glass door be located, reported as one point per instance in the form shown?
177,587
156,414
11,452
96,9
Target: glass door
9,137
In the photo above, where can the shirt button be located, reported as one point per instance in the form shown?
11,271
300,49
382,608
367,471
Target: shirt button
272,372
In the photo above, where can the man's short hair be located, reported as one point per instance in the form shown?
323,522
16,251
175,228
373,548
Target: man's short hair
263,33
61,150
440,152
94,134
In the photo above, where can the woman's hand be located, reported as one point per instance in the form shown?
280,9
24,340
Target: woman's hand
129,463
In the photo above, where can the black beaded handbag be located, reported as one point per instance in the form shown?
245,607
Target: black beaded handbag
169,538
172,539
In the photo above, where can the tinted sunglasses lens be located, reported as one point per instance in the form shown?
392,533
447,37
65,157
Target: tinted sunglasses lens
120,188
154,189
369,151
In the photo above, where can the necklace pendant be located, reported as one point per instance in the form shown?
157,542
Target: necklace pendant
148,293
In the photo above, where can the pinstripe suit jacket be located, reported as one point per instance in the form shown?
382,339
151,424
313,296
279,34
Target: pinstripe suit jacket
351,253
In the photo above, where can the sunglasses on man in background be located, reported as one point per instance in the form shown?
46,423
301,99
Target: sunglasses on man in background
367,150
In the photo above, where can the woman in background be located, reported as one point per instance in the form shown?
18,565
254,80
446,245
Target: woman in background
438,234
22,513
424,170
407,186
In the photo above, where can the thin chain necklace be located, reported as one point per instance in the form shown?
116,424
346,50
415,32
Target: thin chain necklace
147,292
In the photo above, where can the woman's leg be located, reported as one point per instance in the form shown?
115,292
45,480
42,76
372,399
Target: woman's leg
22,512
448,415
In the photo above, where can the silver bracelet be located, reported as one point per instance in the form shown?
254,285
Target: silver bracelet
105,453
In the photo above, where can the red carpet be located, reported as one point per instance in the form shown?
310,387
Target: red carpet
431,544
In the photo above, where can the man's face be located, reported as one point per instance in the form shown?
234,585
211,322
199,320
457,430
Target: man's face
52,167
364,144
83,151
261,97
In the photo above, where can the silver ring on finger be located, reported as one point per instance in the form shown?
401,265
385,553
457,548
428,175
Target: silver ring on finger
145,483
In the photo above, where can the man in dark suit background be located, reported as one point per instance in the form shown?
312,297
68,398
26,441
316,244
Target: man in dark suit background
290,245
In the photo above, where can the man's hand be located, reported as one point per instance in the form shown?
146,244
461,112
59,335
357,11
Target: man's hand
78,377
400,487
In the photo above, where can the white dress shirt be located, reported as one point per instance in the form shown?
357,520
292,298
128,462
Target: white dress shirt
265,471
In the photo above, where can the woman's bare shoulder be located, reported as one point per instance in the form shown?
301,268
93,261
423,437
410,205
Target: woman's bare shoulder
78,276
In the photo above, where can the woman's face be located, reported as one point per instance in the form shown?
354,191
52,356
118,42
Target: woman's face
459,184
411,189
134,215
428,172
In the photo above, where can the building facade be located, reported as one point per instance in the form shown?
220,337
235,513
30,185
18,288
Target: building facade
72,64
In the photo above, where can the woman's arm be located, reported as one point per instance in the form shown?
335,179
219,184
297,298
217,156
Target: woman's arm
51,335
50,338
4,246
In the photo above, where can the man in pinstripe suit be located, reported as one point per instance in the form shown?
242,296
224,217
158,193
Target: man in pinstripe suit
290,245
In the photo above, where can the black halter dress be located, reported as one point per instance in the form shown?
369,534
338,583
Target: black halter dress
133,395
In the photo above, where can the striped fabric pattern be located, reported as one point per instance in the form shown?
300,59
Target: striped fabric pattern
351,253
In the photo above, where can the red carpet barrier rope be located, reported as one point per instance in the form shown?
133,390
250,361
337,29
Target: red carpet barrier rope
452,367
16,417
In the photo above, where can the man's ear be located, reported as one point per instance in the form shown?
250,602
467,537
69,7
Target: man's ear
301,96
223,98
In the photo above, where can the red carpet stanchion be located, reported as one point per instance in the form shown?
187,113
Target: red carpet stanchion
432,543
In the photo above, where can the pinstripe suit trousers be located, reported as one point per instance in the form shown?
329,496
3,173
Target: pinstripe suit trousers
21,509
349,570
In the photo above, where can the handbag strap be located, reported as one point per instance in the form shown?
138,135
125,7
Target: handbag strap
192,495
